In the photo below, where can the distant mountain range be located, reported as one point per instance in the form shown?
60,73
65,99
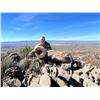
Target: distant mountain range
32,43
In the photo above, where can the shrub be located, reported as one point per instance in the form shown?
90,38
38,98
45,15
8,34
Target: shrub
25,50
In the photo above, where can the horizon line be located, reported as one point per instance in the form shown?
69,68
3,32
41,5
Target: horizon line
53,40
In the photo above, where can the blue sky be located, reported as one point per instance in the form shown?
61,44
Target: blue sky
54,26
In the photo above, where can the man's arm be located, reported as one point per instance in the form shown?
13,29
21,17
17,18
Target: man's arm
48,46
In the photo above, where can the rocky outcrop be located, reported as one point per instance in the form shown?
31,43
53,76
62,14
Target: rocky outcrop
42,68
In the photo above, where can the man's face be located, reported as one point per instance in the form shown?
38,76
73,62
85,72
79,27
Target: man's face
42,40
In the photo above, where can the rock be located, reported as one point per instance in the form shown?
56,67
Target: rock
59,56
47,66
5,85
66,66
98,57
44,70
24,63
14,82
34,82
95,75
77,78
57,69
60,82
36,65
75,65
67,59
76,82
78,72
78,58
56,53
14,72
91,77
82,63
87,82
53,72
45,81
88,68
65,74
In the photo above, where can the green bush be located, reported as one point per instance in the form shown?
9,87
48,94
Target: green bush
24,51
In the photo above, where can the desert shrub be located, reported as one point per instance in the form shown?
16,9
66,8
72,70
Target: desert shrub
24,51
3,56
9,61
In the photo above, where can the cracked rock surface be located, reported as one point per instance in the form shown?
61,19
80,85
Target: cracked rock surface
48,70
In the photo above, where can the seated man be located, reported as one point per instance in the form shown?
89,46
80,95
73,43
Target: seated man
41,52
44,43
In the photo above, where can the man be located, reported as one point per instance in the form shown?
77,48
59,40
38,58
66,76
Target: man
40,51
44,43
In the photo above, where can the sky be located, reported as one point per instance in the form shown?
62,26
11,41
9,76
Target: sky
54,26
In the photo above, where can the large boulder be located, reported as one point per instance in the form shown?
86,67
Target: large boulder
36,65
53,72
95,75
87,82
88,68
66,66
78,78
60,56
24,64
78,72
61,82
64,74
45,81
44,70
12,82
33,82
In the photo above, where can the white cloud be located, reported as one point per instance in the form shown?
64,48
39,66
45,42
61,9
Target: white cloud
94,22
27,24
81,25
17,28
24,24
24,20
25,17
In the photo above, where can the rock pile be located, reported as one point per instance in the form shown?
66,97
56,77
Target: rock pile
42,68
